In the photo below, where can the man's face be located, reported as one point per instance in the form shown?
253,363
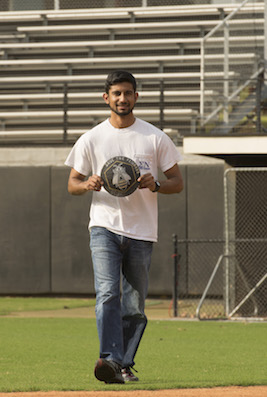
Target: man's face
121,98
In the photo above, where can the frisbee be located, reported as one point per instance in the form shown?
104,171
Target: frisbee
120,176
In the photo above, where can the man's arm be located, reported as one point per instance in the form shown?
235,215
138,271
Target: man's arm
172,184
77,184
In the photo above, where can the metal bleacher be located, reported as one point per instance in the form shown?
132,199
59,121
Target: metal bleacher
53,65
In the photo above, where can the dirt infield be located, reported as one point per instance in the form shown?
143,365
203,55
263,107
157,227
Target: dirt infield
253,391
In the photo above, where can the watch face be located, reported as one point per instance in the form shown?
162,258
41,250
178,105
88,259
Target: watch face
120,176
157,186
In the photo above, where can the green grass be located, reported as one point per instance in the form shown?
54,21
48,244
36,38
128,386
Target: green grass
12,304
20,304
59,354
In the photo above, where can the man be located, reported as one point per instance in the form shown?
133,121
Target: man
122,229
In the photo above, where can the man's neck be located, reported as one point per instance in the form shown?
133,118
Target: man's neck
121,121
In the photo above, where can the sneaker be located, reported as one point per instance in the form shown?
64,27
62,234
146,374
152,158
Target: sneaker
128,376
108,371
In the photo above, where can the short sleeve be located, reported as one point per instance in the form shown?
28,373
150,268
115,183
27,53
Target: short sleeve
168,153
79,157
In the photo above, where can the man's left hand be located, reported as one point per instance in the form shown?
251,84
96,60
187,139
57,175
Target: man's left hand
147,181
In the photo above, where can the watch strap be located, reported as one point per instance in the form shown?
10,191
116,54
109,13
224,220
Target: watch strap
157,187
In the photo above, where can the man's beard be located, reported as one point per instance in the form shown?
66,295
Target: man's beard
124,113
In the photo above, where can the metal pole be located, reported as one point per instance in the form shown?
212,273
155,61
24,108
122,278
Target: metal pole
265,42
202,82
258,104
230,16
161,104
227,240
208,285
65,117
175,276
226,74
248,295
56,4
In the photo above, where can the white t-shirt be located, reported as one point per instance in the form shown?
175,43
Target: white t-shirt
136,215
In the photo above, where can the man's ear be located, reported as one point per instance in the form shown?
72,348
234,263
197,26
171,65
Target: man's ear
106,98
136,96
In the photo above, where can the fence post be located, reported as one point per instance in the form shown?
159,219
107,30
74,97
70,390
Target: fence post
175,275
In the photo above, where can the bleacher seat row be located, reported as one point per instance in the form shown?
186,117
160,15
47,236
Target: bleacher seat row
195,11
89,47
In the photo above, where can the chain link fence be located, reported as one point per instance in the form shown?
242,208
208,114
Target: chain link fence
228,278
246,241
196,261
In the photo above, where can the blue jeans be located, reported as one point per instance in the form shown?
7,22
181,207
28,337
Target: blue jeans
120,322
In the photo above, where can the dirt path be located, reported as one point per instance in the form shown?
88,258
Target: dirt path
255,391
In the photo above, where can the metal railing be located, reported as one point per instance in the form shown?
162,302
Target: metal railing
228,96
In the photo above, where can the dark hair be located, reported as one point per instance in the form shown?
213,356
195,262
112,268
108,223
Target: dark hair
119,76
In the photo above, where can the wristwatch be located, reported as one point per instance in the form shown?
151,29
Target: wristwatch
157,186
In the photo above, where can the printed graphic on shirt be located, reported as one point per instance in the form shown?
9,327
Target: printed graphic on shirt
144,162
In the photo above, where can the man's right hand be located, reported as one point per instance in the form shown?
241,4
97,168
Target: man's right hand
77,184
